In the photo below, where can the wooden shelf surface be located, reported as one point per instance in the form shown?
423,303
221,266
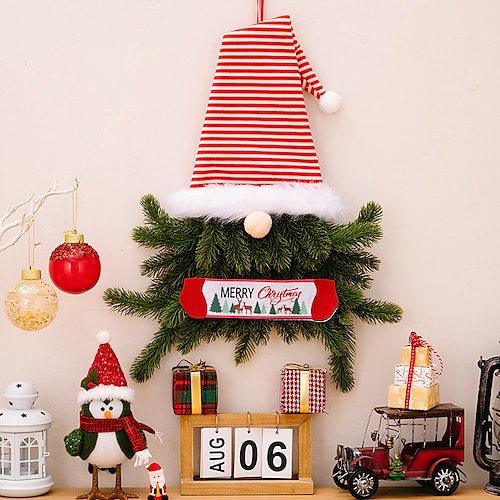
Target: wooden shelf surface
397,492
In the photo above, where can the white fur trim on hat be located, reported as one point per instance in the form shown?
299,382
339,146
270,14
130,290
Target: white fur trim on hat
231,202
102,392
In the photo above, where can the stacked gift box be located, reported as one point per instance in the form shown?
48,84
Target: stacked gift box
416,385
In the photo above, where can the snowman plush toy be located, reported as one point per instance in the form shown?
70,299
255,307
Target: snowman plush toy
108,434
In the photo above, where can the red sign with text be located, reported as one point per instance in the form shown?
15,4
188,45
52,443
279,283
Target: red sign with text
313,300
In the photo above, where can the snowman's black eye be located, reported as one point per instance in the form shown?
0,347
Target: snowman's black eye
110,408
103,408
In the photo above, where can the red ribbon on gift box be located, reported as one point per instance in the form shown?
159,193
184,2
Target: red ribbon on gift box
417,341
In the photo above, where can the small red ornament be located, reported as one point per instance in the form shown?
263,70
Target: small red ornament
74,266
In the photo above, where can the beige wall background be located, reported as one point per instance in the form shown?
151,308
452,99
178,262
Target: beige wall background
113,92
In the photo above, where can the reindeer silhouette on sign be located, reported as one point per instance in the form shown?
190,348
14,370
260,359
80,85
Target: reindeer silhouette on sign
238,308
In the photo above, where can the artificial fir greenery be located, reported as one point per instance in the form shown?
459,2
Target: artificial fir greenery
296,248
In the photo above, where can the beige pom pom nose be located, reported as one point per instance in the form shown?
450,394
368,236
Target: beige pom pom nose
258,224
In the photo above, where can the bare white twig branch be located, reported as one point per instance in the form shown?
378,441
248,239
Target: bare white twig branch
24,222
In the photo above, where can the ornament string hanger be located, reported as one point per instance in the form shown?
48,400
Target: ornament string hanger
74,199
260,11
32,272
74,210
31,246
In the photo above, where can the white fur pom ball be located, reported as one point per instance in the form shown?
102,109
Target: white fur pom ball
257,224
330,102
103,337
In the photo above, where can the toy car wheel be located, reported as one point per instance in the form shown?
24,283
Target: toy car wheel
340,476
363,483
445,479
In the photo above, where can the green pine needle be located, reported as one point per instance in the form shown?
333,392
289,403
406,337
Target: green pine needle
149,360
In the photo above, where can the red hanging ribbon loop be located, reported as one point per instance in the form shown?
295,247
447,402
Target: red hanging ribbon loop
417,341
260,11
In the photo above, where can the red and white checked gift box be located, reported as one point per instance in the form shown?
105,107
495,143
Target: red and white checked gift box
303,389
423,376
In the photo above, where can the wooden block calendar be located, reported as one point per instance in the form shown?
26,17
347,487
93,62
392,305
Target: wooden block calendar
299,483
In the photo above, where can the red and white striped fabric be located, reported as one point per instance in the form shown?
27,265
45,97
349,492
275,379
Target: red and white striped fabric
256,130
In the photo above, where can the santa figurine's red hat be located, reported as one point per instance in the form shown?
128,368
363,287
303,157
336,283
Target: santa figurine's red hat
105,378
256,151
154,467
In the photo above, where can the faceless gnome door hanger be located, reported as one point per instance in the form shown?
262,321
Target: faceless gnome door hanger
257,216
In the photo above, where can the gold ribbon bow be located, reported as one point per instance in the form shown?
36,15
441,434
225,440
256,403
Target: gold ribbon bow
196,406
304,385
195,379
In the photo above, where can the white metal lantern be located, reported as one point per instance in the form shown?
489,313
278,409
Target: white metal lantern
23,444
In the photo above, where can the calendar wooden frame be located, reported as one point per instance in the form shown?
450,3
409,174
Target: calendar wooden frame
301,485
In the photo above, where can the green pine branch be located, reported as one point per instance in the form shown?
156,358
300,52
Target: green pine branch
149,359
252,334
377,311
133,303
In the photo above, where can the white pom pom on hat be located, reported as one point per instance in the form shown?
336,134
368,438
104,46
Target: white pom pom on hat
103,337
330,102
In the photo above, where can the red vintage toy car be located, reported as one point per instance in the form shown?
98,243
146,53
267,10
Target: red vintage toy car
426,446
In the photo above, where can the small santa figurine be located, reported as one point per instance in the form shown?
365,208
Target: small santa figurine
157,484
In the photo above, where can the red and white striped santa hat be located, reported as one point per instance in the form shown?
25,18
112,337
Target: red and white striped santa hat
256,151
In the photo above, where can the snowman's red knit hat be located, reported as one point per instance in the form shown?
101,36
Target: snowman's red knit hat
256,151
105,378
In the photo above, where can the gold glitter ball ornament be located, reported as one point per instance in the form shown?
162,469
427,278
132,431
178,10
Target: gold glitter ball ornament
31,304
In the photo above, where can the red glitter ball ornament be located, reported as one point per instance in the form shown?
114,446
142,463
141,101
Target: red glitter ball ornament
74,266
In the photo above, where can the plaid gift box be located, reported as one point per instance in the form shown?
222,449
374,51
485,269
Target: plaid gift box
303,389
194,389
